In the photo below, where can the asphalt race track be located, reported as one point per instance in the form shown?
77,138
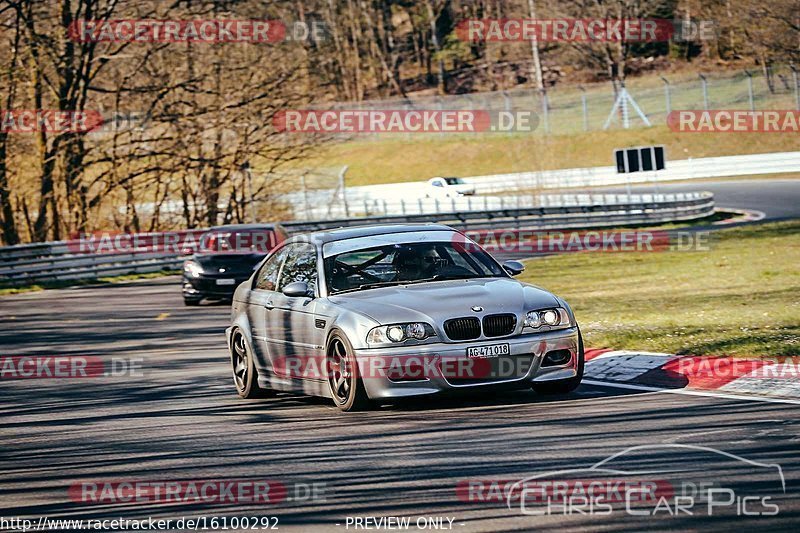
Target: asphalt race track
182,420
776,198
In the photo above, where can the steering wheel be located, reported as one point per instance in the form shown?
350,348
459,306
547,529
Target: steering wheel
355,270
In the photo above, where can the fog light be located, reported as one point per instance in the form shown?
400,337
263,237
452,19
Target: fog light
395,333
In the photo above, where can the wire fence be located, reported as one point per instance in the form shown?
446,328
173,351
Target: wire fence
575,109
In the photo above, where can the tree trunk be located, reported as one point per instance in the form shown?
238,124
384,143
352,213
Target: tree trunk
536,70
440,75
9,225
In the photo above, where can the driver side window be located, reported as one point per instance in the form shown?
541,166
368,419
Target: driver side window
267,278
301,265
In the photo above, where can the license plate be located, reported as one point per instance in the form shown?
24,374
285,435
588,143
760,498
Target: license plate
226,281
490,350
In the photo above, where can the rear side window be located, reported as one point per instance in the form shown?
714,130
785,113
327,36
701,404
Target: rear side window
267,278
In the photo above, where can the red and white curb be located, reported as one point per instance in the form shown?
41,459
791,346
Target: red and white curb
722,376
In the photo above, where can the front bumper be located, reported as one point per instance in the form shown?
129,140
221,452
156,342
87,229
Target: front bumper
397,372
206,286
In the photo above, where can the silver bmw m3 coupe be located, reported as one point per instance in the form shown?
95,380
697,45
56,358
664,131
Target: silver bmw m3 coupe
375,313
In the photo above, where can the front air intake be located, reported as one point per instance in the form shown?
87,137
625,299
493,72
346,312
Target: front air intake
557,358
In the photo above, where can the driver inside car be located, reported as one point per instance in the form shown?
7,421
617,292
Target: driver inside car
415,263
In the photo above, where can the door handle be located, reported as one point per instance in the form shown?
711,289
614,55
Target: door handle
268,306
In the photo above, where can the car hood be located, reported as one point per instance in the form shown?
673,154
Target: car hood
237,263
438,301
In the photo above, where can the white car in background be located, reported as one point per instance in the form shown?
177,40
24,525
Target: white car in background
449,187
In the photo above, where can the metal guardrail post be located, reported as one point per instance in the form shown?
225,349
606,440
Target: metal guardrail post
750,90
342,172
546,111
585,108
667,95
705,91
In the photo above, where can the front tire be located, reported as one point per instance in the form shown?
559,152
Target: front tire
344,381
564,386
245,376
191,302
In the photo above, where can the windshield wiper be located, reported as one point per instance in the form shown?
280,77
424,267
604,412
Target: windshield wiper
373,285
438,277
444,277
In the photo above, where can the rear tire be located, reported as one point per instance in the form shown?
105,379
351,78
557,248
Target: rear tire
245,376
344,381
564,386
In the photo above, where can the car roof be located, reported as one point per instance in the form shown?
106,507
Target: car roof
340,234
236,227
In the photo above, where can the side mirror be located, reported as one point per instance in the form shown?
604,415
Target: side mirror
297,289
515,268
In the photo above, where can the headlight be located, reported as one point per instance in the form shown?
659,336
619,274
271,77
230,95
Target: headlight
550,317
192,269
397,333
533,320
553,318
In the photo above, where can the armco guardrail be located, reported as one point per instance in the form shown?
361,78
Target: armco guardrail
613,210
71,260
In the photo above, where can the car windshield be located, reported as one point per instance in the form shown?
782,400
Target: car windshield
397,264
454,181
242,241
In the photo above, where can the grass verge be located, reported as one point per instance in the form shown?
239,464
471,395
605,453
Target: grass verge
741,297
6,290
